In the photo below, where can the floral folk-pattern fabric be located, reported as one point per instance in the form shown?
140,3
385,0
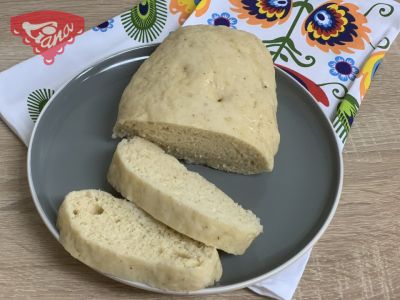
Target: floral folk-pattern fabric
332,48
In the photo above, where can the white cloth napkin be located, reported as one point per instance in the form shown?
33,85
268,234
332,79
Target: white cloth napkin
26,87
283,284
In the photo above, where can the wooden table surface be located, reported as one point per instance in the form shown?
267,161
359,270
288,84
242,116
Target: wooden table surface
357,258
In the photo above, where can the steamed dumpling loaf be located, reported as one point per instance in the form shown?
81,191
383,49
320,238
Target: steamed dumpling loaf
207,95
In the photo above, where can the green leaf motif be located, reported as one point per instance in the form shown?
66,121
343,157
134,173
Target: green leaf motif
272,45
37,100
277,40
309,60
283,57
345,114
286,43
291,45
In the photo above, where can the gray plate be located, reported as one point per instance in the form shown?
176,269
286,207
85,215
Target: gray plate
71,148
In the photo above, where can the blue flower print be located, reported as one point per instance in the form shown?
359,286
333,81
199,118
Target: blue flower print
343,68
223,19
103,27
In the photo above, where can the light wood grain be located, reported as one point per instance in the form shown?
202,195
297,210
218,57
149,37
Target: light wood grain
357,258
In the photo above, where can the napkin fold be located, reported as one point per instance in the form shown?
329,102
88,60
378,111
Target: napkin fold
332,48
283,284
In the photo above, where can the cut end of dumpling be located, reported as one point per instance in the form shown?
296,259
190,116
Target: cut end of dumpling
115,237
216,150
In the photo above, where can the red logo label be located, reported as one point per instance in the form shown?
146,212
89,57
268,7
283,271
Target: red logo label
47,31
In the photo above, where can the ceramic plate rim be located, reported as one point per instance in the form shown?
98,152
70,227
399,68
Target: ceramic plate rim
211,290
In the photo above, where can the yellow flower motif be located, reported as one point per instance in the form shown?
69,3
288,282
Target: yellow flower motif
186,7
